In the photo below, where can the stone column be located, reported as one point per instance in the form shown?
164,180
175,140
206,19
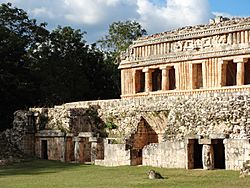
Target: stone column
148,79
208,156
165,78
134,82
77,150
93,149
149,50
240,70
242,37
230,38
246,37
204,74
235,38
240,74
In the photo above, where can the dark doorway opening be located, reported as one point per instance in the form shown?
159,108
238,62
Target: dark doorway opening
231,73
219,154
157,77
44,149
194,154
247,73
172,84
197,76
139,81
197,155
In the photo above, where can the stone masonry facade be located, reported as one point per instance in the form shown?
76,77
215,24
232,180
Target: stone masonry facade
185,103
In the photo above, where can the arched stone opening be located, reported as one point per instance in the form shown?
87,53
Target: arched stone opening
142,137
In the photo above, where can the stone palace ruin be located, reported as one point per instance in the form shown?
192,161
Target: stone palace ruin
185,103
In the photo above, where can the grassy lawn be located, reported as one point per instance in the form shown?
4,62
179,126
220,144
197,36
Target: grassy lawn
52,174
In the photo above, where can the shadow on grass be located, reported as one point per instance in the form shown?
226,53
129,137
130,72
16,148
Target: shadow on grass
35,167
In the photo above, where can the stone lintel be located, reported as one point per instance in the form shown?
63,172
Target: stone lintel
86,134
240,60
205,141
167,67
69,135
146,69
50,133
92,139
218,136
76,139
223,61
198,61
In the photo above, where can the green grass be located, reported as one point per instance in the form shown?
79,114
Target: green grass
52,174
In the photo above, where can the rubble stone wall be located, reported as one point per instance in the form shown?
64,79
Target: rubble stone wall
172,118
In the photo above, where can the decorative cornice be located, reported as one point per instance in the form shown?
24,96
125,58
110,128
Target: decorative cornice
180,57
198,31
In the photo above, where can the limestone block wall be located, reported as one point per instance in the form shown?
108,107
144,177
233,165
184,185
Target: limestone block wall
237,151
167,154
115,155
50,143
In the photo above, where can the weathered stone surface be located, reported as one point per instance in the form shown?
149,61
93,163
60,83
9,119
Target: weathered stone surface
18,141
245,170
167,154
115,155
208,157
173,119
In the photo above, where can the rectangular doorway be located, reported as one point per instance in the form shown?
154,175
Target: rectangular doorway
136,157
219,154
194,151
44,149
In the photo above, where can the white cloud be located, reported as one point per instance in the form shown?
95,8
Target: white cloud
94,16
94,11
39,12
174,13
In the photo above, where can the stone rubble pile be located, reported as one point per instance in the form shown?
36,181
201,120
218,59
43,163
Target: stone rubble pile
11,139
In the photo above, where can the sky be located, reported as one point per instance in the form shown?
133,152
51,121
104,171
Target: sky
95,16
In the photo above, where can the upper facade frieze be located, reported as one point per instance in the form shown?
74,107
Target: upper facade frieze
217,26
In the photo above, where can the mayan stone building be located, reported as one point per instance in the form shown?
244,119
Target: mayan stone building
192,59
185,103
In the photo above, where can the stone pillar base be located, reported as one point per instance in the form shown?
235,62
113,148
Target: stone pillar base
208,157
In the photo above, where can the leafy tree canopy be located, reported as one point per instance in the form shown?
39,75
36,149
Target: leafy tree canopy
120,35
43,68
18,83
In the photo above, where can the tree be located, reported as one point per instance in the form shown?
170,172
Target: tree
121,35
18,34
71,70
